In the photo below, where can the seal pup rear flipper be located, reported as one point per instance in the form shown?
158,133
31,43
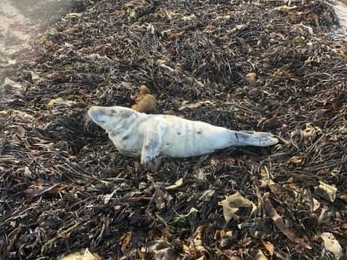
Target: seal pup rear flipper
242,138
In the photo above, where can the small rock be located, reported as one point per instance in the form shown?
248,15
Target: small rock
251,79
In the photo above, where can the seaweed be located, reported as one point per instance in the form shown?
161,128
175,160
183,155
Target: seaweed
246,65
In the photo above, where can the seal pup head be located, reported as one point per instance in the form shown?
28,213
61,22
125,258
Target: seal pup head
112,119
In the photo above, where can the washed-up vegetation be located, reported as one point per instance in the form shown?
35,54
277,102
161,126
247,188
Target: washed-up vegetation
245,65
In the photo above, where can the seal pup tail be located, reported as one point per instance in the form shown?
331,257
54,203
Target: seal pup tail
242,138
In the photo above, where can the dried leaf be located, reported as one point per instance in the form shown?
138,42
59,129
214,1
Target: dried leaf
60,102
232,203
326,191
260,255
285,8
3,112
296,159
126,239
332,244
35,77
108,197
315,205
177,184
86,255
196,246
90,256
308,132
269,247
196,105
73,256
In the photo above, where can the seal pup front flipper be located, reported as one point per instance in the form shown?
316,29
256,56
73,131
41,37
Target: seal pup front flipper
152,141
262,139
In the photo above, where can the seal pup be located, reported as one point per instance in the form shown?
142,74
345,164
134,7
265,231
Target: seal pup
146,135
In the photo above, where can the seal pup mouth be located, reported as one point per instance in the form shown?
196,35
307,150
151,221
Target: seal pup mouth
98,115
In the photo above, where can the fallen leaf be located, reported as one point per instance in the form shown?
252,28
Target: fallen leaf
86,255
232,203
269,247
259,255
90,256
196,246
59,101
296,159
326,191
196,105
126,239
331,244
177,184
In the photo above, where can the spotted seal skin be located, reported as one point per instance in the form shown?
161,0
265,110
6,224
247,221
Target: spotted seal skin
147,136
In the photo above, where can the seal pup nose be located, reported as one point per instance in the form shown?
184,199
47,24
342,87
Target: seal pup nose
92,112
97,114
260,139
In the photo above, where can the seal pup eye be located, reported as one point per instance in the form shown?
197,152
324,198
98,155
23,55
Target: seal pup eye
113,111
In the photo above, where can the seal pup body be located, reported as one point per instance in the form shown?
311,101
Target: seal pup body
147,136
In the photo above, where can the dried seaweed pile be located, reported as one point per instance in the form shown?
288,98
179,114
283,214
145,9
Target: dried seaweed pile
244,65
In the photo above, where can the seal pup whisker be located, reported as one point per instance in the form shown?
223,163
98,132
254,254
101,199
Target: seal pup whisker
148,136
